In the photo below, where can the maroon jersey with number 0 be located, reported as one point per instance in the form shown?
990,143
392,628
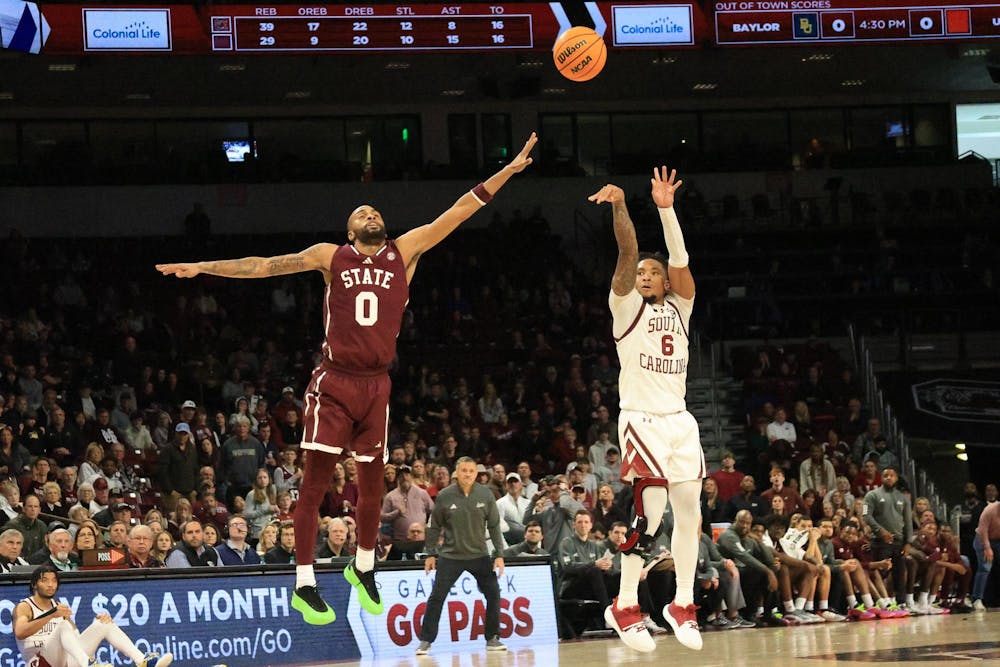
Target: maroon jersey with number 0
363,309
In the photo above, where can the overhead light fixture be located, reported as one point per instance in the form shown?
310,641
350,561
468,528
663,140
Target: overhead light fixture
554,91
6,95
818,58
232,67
298,94
137,96
962,456
704,86
528,61
453,92
62,67
664,60
975,53
960,446
852,83
397,65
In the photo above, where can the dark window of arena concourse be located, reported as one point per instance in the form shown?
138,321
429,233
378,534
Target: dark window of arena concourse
877,130
816,134
302,149
8,146
593,135
194,150
54,151
496,140
557,156
744,138
123,150
644,138
463,154
399,146
932,127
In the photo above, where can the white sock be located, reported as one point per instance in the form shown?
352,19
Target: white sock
760,611
364,560
628,590
789,606
852,601
824,605
809,605
304,576
909,599
923,599
883,602
800,603
685,501
867,599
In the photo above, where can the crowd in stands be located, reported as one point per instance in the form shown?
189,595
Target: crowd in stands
164,417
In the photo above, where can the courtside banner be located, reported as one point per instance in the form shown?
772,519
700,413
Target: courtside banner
246,620
527,613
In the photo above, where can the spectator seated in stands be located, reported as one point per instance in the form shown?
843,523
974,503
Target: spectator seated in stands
140,546
817,472
727,477
235,550
532,544
335,546
411,548
32,529
58,550
284,550
191,551
10,550
792,500
746,499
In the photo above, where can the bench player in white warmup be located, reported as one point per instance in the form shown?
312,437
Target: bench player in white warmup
651,300
47,636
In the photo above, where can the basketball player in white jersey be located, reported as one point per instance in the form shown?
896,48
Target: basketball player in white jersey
651,300
47,637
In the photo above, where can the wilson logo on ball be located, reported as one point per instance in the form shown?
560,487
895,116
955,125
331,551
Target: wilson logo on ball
580,54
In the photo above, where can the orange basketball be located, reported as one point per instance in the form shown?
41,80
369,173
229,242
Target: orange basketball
580,54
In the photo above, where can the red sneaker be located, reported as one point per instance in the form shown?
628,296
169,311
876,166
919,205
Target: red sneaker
628,624
684,621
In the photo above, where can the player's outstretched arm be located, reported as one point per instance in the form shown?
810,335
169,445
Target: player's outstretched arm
664,186
315,258
417,241
623,282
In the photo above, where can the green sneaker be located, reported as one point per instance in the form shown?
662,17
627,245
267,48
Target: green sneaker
314,610
364,584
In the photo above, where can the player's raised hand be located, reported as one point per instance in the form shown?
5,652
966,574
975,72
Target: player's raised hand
179,270
664,187
609,194
523,159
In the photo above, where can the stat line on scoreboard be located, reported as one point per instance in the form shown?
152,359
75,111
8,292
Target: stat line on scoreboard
382,19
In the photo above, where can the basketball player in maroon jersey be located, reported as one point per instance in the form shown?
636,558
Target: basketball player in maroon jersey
347,400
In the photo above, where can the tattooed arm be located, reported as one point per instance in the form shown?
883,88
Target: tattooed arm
316,258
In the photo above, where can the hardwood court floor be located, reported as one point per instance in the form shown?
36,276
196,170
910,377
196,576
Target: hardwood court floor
927,640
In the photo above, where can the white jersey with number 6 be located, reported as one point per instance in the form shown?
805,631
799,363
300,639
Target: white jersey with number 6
652,346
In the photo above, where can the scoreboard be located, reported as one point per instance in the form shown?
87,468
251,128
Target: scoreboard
295,28
67,29
827,21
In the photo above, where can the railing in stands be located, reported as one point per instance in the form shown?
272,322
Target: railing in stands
921,484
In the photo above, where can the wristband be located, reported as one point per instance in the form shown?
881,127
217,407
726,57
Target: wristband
481,194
